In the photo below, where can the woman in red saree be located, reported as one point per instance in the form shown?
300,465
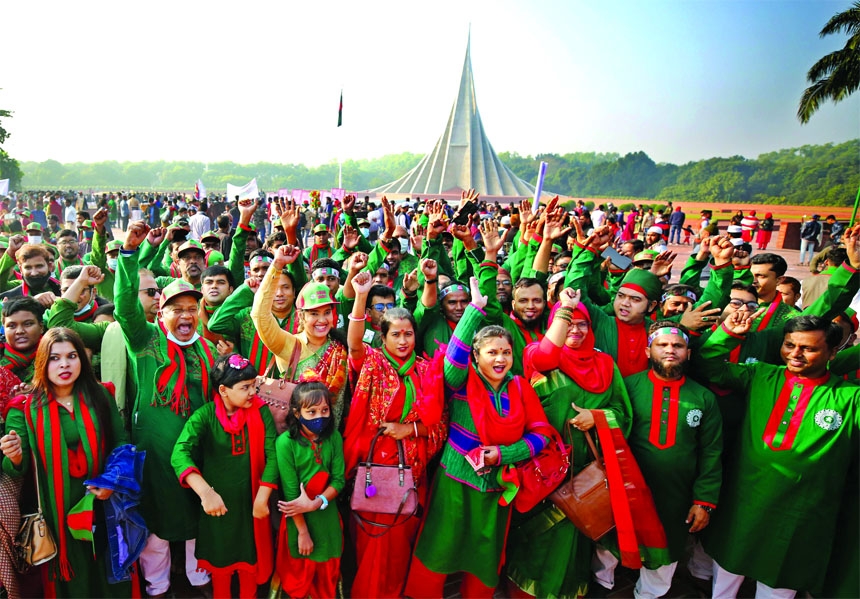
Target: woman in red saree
395,391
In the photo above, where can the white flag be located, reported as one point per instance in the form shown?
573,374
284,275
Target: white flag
248,190
4,187
199,190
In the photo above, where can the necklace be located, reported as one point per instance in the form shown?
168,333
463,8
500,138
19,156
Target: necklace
66,403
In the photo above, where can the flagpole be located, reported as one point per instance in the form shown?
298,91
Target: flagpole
340,146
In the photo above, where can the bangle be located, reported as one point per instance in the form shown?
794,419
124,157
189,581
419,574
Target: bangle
415,426
324,502
430,281
356,318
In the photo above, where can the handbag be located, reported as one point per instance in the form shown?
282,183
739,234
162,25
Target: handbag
277,393
34,543
584,497
384,489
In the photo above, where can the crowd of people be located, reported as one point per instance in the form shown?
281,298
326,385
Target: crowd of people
479,349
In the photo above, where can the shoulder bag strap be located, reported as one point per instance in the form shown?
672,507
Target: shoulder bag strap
294,361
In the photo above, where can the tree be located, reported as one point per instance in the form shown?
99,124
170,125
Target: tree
9,168
837,75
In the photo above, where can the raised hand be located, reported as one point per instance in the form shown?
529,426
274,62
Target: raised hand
286,254
350,237
721,249
390,224
247,207
740,322
289,215
437,222
358,262
477,299
253,284
704,248
741,258
490,235
526,214
362,282
700,317
569,298
662,264
224,347
99,220
410,281
15,243
417,237
349,204
601,237
468,196
554,227
156,236
91,275
429,269
137,232
851,239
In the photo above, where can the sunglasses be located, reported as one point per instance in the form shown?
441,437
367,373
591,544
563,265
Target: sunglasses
380,306
152,291
736,303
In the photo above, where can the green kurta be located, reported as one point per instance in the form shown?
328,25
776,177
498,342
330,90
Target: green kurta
549,558
779,506
677,441
297,463
155,429
224,461
90,575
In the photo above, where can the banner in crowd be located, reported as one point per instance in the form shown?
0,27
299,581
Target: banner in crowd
337,193
199,190
249,190
4,187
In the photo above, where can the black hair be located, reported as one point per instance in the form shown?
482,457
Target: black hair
222,373
741,286
276,236
326,263
104,309
777,262
67,233
380,291
223,221
638,245
71,273
801,324
396,314
659,324
795,284
836,256
217,270
524,282
679,289
306,395
23,304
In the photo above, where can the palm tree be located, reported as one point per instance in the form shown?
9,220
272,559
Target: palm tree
837,75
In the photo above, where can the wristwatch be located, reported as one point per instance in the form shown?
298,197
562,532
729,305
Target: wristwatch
325,502
707,508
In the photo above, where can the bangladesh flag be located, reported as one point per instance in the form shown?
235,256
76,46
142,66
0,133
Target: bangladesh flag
340,110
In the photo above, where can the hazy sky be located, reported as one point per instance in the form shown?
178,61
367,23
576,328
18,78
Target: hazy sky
259,81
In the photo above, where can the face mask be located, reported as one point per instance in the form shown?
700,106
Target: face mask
404,245
112,262
84,309
315,425
193,339
365,232
34,239
36,282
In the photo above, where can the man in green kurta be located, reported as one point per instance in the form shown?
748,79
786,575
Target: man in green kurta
171,367
798,441
676,438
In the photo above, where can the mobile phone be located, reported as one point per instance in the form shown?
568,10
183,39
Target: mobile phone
619,260
463,214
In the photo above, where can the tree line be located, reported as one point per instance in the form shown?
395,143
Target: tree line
824,175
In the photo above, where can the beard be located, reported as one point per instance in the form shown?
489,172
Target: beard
529,322
37,283
674,371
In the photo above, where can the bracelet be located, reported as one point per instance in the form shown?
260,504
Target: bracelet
430,281
208,490
324,502
356,318
409,293
415,426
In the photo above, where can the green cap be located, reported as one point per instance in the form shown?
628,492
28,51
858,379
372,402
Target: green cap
214,257
177,288
645,282
646,255
314,295
113,246
320,229
34,227
182,221
210,235
191,244
87,224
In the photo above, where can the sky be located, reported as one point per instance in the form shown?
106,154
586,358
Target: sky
260,81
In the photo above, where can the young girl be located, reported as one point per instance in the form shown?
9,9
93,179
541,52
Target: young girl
233,438
310,460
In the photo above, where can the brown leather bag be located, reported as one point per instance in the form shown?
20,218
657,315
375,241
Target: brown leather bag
584,497
277,393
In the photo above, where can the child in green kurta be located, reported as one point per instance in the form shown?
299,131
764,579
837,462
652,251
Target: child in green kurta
310,461
226,453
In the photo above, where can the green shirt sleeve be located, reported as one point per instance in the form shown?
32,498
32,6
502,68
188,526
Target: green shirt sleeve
128,311
712,365
62,314
236,263
225,321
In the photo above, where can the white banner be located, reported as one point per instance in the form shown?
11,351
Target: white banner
249,190
4,187
199,190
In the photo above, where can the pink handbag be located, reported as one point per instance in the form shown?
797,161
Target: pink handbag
384,489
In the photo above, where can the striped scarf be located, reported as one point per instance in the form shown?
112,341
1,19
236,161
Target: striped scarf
170,378
58,462
260,354
17,360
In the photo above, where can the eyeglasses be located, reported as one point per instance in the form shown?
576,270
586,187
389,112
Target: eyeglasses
181,311
579,326
380,306
736,303
500,282
151,291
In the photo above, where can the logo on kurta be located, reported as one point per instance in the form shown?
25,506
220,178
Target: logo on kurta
694,418
829,420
